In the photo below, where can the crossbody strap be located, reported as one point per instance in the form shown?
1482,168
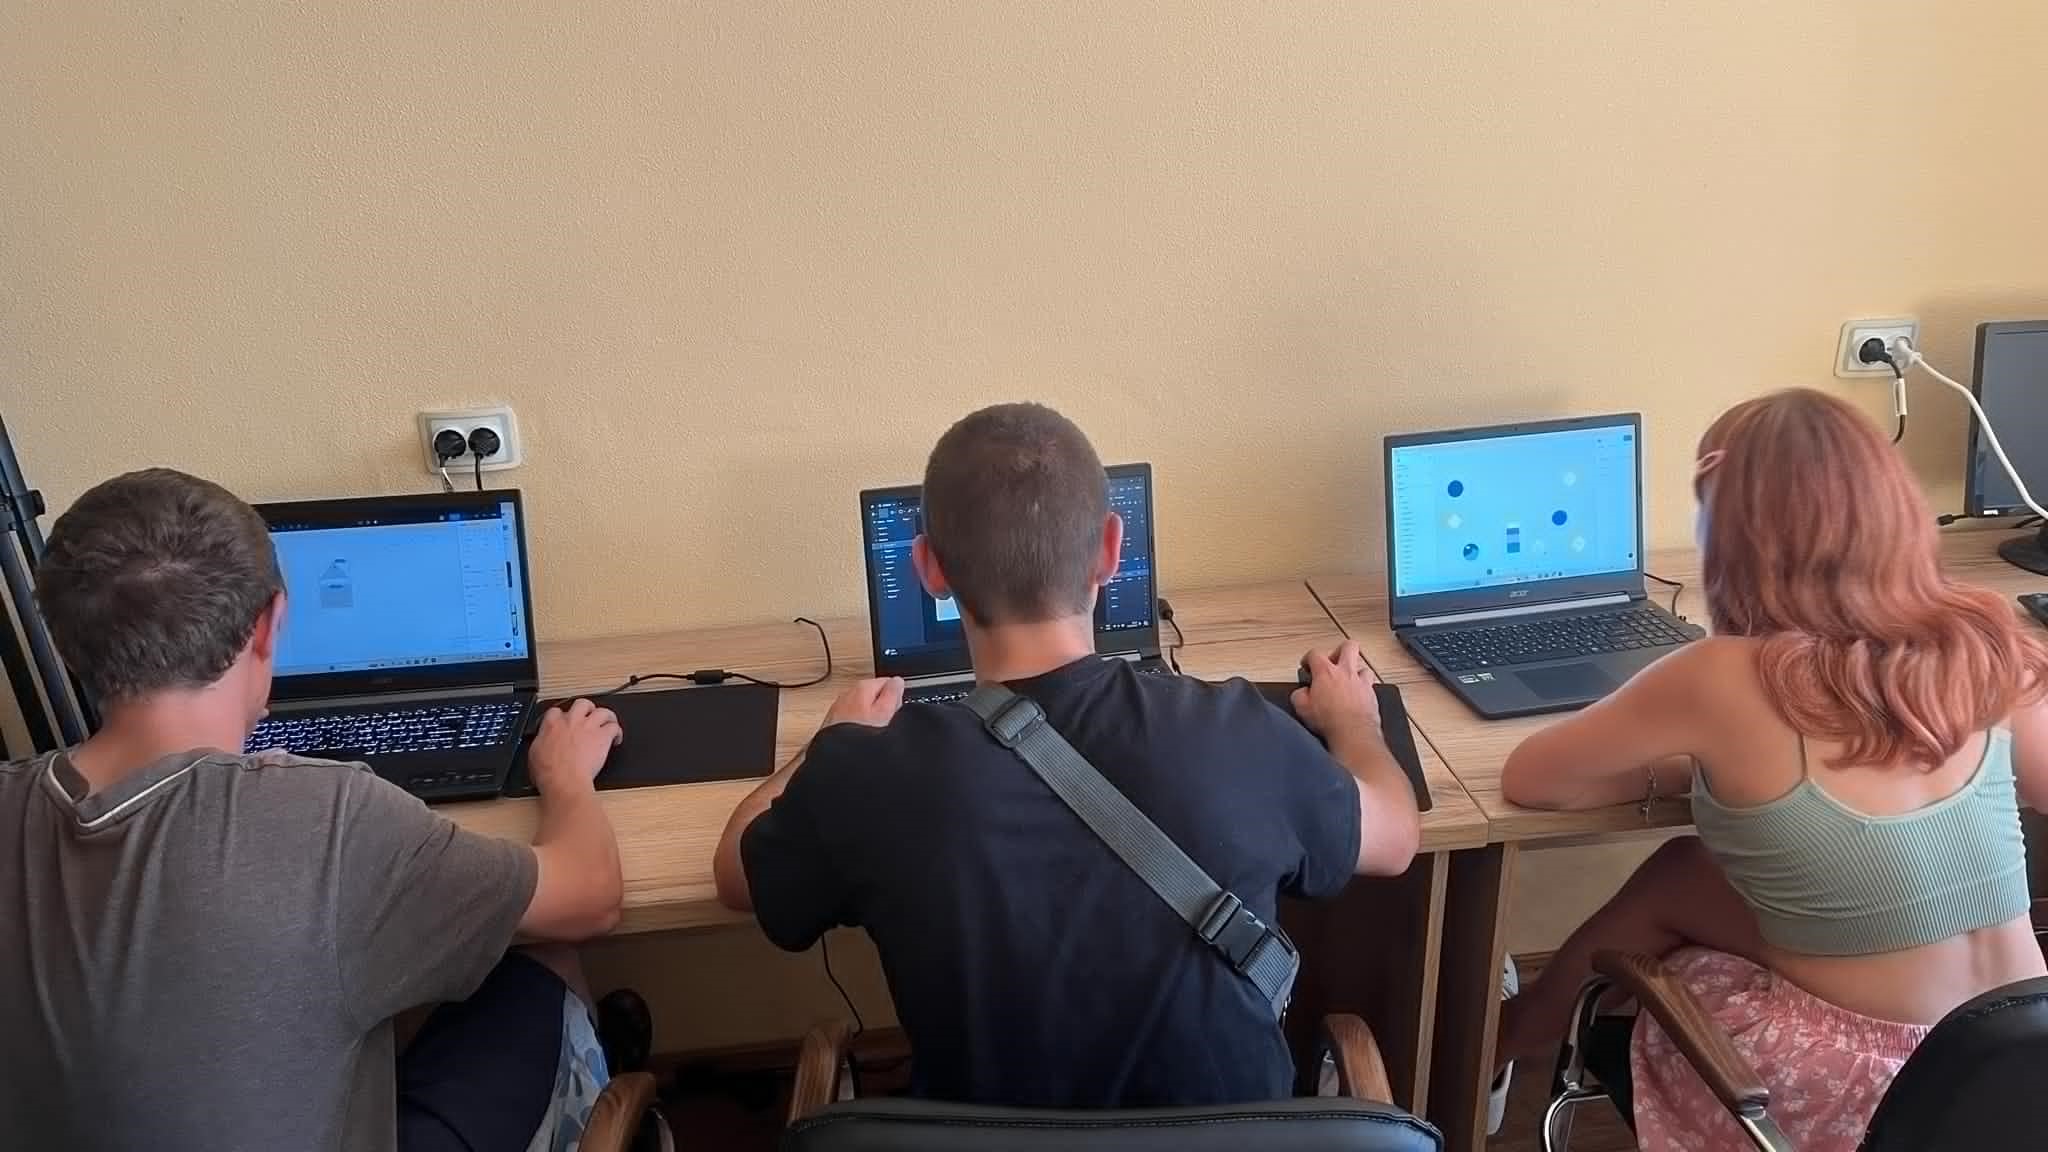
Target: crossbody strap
1259,953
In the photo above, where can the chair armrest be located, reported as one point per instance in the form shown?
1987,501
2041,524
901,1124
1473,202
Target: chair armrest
1699,1038
616,1116
1361,1073
817,1069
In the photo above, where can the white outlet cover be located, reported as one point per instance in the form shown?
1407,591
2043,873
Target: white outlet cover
1855,332
498,419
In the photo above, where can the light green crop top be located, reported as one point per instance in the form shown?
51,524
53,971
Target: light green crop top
1825,880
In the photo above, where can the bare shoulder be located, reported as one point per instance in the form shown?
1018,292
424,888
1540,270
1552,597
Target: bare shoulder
1715,669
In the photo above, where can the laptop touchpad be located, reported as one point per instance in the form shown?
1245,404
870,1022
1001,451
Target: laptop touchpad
1568,682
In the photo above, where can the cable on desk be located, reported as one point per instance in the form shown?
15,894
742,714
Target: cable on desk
1179,641
1676,586
709,676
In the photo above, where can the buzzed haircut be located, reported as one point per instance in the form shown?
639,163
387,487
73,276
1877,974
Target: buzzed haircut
1014,503
155,581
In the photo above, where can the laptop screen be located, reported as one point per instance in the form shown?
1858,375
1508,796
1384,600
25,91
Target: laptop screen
1474,511
403,584
916,634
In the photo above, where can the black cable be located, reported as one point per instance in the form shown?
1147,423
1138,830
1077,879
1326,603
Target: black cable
479,473
709,676
1901,433
859,1025
1676,586
1180,641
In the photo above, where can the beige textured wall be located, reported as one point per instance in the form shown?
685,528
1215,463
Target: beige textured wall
733,260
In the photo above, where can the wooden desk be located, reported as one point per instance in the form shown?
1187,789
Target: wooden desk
1475,749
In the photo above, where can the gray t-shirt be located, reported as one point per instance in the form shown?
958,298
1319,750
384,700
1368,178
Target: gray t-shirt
209,954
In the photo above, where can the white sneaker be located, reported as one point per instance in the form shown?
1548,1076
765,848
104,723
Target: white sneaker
1497,1099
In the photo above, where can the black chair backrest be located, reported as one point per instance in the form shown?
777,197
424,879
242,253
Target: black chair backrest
1318,1124
1977,1080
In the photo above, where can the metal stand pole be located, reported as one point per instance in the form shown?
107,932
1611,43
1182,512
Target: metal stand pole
20,552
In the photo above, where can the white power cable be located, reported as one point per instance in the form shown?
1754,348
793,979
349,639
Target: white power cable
1908,358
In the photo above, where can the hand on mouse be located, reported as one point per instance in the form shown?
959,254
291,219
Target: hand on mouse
1338,701
571,746
870,702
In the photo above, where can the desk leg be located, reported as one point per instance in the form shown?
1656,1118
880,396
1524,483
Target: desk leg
1373,951
1468,994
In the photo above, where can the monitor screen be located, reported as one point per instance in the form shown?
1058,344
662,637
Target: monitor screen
2012,385
1129,602
911,627
1483,512
407,587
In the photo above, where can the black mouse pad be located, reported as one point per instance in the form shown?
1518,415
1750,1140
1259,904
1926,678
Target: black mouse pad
683,736
1394,729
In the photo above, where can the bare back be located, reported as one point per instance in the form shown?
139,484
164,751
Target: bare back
1750,758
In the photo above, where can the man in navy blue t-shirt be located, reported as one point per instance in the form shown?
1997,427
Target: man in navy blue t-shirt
1029,965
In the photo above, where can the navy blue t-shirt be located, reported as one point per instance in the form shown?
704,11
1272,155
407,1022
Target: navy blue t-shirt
1029,965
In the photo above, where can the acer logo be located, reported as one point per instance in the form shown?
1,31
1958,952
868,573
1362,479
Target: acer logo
1518,593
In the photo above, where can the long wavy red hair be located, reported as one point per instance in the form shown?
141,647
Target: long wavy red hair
1819,544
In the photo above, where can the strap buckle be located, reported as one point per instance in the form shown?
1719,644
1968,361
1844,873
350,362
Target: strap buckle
1233,929
1013,720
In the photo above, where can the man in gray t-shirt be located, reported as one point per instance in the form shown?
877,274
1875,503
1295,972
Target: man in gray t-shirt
205,949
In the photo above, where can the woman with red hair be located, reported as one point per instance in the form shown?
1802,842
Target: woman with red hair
1857,735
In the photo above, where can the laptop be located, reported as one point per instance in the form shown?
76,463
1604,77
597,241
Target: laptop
407,641
1515,561
920,638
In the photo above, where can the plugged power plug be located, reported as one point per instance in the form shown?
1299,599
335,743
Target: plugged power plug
449,445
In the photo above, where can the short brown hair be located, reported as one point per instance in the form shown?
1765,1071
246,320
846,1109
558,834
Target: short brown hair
154,581
1014,500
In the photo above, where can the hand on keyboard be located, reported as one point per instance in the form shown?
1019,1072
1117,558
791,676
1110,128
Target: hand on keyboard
870,702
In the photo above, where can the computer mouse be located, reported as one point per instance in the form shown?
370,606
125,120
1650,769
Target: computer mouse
1301,676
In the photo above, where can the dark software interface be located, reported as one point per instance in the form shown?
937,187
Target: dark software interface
1512,509
909,622
2012,385
403,590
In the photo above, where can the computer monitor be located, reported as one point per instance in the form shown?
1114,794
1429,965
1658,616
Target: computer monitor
917,635
2012,385
1540,511
389,592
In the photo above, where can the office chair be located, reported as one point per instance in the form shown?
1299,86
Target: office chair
1973,1083
624,1119
823,1117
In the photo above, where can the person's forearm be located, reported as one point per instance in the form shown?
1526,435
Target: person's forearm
728,872
575,836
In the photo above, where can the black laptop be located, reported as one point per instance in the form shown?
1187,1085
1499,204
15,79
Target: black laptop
1515,561
408,639
920,638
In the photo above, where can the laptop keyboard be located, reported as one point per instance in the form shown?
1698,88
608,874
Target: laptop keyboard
945,693
389,731
1562,638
